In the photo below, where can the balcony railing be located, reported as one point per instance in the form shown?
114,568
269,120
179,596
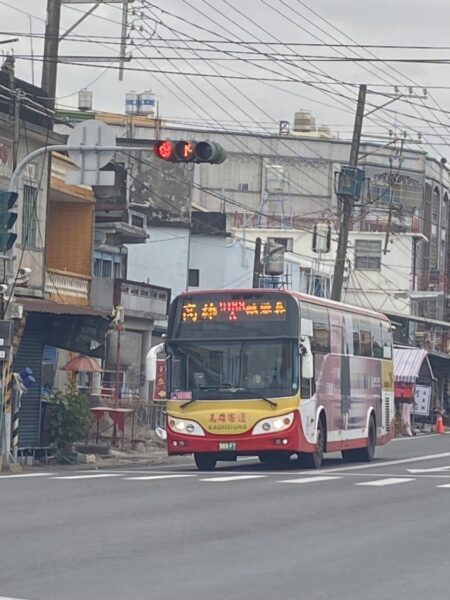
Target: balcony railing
67,287
140,300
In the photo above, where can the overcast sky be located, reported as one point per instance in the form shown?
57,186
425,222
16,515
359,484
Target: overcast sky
242,102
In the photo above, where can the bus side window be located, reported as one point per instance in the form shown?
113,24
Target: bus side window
321,328
348,335
365,336
355,329
386,337
377,338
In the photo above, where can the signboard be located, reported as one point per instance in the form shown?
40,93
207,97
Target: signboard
233,310
422,400
160,385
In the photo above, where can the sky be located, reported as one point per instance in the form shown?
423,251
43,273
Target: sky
221,81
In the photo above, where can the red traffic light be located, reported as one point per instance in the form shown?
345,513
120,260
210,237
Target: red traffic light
164,149
184,151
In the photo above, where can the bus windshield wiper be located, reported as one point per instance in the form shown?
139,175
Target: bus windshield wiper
188,402
271,402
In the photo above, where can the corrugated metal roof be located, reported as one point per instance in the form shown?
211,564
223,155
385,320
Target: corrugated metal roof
55,308
407,364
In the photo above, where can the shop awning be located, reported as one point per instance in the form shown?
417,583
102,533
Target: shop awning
76,328
410,364
41,305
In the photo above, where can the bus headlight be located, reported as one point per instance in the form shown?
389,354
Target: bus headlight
274,424
185,426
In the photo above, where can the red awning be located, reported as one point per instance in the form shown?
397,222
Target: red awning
404,392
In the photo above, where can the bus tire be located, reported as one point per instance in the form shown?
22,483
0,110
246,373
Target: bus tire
205,461
314,460
366,454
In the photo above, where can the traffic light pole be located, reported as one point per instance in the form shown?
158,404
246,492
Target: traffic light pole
347,203
15,177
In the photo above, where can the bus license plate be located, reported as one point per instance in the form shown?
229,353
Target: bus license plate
227,446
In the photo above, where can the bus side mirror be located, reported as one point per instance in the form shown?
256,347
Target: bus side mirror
150,361
307,358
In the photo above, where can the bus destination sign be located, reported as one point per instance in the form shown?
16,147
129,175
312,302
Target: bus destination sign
232,310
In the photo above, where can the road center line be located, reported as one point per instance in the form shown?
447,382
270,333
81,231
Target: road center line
233,478
151,477
387,463
20,475
310,479
388,481
95,476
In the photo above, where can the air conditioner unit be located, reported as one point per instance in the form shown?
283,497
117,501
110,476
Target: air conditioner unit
137,219
30,171
16,310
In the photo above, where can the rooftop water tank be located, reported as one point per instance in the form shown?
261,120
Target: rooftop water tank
131,103
84,100
304,121
147,104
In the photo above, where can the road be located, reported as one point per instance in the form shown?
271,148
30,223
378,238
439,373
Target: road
243,532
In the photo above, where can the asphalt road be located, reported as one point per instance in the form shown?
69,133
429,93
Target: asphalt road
244,532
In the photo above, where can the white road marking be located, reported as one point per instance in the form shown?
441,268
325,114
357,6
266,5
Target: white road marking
310,479
433,470
7,597
388,481
94,476
447,485
151,477
233,478
19,475
387,463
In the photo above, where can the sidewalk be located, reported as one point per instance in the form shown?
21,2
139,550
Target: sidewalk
153,454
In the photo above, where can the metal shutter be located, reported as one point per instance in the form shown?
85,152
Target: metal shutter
30,354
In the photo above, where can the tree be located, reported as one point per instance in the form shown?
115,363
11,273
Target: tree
70,416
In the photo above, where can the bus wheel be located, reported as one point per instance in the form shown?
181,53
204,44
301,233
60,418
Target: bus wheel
314,459
366,454
205,462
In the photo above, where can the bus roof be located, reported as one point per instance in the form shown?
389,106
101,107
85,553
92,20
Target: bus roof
299,296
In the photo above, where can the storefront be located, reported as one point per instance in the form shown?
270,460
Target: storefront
414,388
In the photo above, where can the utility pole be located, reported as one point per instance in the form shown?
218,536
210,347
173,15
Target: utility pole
257,263
51,45
347,199
123,38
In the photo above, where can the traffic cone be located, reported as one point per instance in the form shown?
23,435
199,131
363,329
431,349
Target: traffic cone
439,425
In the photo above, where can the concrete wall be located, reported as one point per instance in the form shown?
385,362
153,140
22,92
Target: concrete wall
36,176
162,260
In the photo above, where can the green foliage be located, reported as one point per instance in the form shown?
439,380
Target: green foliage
70,416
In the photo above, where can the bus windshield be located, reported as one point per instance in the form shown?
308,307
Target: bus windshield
235,370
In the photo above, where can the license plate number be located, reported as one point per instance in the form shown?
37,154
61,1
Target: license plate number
227,446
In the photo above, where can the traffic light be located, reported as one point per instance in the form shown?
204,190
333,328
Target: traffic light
7,220
185,151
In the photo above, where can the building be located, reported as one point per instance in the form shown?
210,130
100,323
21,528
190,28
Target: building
275,186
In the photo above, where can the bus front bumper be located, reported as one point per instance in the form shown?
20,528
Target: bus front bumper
246,444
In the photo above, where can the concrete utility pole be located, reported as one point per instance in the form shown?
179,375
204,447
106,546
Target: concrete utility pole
51,46
53,37
257,263
347,202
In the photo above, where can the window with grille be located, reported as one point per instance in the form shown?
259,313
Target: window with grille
194,277
368,254
29,218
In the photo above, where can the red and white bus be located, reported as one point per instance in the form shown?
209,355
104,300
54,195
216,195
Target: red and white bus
273,373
